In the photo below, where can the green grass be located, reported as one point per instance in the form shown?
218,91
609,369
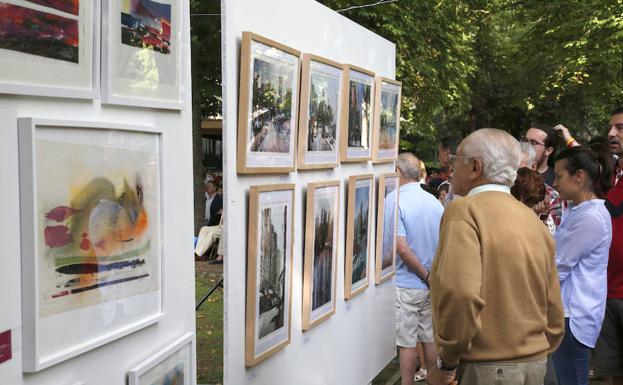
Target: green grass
209,324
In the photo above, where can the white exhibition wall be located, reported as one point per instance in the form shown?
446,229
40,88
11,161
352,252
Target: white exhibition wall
110,363
354,344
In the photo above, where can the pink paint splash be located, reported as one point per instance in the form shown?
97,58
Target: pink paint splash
60,213
57,236
85,244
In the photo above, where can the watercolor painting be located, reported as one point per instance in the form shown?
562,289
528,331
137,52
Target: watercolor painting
389,223
323,111
98,211
361,233
146,24
38,33
175,376
389,119
68,6
359,114
324,246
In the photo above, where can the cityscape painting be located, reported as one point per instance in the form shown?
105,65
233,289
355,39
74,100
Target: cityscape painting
38,33
269,270
268,105
321,233
146,24
386,120
358,234
358,123
386,226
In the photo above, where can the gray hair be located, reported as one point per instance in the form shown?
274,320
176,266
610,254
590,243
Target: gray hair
499,151
408,165
527,150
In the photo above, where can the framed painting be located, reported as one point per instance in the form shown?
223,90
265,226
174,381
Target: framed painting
269,271
320,260
267,107
319,118
142,55
91,230
357,115
358,222
173,365
386,120
386,227
50,48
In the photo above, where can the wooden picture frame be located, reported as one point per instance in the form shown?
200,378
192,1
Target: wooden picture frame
386,133
358,234
174,364
320,120
82,185
357,115
267,130
321,252
386,226
269,270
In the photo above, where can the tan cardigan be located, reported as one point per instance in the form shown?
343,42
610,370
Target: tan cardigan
494,288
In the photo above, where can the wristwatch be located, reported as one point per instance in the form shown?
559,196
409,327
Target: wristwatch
444,367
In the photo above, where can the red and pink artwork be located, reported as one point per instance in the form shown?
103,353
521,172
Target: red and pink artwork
68,6
38,33
146,24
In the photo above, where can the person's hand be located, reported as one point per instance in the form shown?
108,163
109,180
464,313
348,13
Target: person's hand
542,208
438,377
563,130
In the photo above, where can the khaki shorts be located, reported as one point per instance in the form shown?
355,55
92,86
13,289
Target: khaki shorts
414,321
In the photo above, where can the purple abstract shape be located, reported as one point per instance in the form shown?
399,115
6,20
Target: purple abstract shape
57,236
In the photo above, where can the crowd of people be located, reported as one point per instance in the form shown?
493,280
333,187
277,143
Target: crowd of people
514,274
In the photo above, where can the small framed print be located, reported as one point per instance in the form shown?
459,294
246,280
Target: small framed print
358,223
320,260
91,225
50,48
357,115
173,365
322,88
386,120
386,223
267,108
143,54
269,271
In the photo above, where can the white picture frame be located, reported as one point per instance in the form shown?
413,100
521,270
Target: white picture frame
176,360
149,76
73,74
86,282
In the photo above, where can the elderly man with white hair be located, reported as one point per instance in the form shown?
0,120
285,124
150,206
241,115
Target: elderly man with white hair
497,310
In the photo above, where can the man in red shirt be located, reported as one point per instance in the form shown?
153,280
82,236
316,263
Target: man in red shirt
609,349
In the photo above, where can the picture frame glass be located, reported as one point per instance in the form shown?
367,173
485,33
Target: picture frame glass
388,237
323,113
361,233
272,105
274,234
97,228
389,120
360,105
325,235
47,48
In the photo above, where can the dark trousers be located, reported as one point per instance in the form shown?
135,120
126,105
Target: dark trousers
571,360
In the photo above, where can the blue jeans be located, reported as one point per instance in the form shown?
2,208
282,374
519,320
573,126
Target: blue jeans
571,360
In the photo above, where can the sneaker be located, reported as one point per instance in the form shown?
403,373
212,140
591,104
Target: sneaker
420,375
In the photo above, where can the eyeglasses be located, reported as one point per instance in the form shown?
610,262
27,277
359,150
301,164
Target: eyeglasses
532,141
452,158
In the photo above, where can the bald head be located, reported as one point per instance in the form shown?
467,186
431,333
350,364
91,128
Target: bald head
409,167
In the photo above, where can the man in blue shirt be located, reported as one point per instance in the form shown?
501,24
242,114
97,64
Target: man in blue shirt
419,215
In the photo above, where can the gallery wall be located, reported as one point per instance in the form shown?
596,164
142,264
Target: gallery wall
355,343
109,363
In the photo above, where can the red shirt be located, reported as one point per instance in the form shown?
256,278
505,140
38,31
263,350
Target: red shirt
614,203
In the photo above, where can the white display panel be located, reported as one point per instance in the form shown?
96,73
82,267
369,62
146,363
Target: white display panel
338,350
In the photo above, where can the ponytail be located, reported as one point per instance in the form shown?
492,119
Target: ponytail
595,160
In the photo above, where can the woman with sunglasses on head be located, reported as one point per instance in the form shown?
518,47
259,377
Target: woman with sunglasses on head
583,240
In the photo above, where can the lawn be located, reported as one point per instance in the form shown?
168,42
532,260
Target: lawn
209,324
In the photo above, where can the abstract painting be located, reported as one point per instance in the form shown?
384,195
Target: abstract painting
68,6
358,124
358,234
269,76
319,121
321,240
146,24
386,120
386,226
173,365
38,33
269,282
